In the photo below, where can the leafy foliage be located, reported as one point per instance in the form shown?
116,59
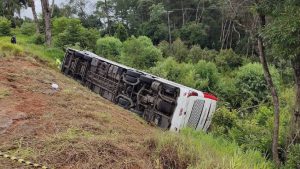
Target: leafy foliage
109,47
228,60
72,32
5,25
196,54
252,86
140,53
194,149
194,33
121,32
28,28
206,76
293,157
179,50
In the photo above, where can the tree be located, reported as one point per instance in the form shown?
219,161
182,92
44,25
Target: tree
140,53
121,32
35,18
10,7
47,19
282,34
109,47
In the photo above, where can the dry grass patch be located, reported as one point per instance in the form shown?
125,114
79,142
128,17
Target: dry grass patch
4,92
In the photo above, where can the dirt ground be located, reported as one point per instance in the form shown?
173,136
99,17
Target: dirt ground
68,128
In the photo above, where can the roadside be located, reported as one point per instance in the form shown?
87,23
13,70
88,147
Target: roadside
70,128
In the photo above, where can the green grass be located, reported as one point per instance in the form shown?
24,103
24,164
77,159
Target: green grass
25,47
197,150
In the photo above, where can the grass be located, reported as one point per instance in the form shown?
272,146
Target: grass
25,46
197,150
90,135
4,92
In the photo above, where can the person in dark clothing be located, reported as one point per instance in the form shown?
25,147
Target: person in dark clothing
14,39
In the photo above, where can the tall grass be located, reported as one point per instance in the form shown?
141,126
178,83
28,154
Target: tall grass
197,150
26,47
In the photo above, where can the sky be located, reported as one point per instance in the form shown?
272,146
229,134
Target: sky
28,13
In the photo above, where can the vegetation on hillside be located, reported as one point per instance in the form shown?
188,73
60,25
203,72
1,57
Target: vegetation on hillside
210,45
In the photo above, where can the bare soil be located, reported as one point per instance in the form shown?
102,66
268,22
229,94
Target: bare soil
68,128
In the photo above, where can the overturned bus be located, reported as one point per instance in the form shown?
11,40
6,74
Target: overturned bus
163,103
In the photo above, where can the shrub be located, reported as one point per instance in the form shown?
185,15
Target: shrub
223,121
76,33
227,92
28,28
39,39
228,60
195,33
140,53
180,50
196,54
252,86
293,157
178,72
5,26
61,24
121,32
192,149
206,76
109,47
89,38
164,47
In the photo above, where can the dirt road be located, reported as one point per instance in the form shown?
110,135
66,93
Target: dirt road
68,128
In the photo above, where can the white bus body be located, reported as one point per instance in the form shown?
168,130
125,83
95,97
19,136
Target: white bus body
159,101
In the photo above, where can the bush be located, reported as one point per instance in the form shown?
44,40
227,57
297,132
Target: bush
164,47
121,32
61,24
255,130
192,149
252,86
206,76
223,121
227,92
28,28
195,33
180,50
39,39
89,38
75,33
228,60
140,53
5,26
109,47
196,54
293,159
178,72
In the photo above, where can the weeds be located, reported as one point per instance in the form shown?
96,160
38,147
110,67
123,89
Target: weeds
4,92
197,150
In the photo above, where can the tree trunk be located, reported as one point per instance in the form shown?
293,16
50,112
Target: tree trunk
296,115
47,18
268,78
107,16
35,18
52,7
